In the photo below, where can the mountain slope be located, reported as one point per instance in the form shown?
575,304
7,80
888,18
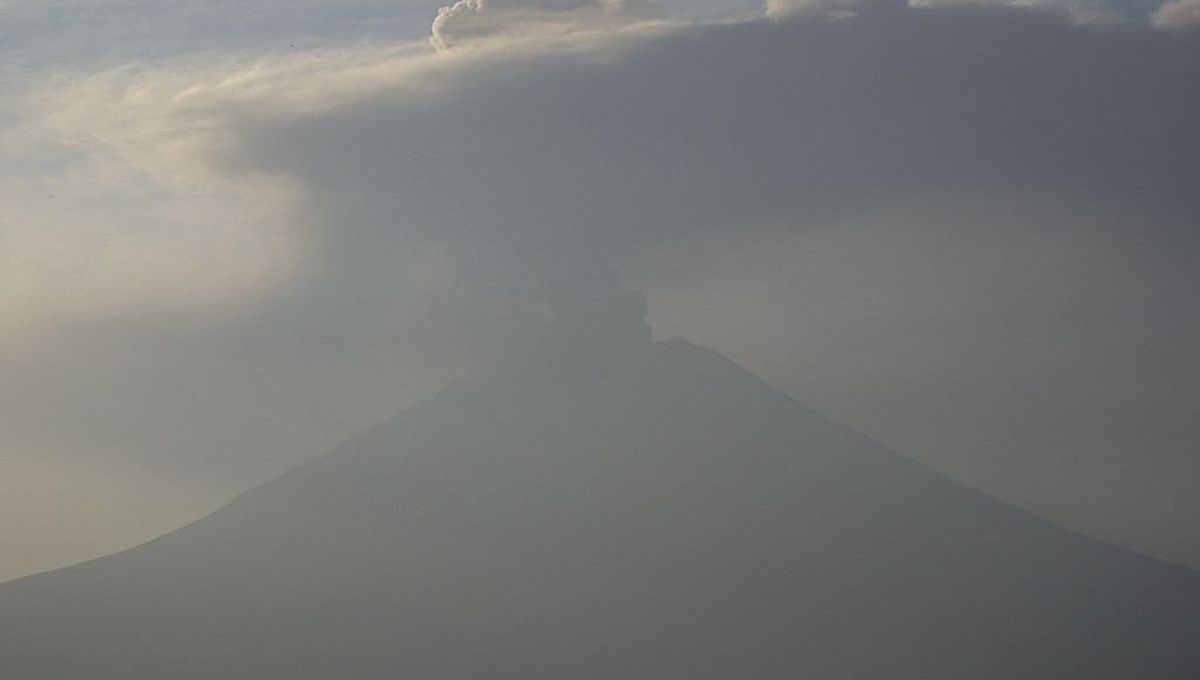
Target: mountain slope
660,515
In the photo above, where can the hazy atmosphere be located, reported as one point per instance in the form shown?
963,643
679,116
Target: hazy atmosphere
238,238
235,234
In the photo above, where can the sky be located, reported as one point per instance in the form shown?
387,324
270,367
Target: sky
236,234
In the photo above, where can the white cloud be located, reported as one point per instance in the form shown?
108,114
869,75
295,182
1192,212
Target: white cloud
1177,15
90,32
1080,12
112,205
123,194
830,8
467,20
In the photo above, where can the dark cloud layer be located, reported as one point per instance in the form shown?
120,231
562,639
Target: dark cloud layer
725,129
759,122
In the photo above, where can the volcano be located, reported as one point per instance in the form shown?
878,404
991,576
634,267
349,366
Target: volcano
656,514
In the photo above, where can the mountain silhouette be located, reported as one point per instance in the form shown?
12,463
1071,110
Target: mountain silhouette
655,514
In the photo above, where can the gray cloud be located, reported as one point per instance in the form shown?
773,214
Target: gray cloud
968,232
650,147
693,136
738,130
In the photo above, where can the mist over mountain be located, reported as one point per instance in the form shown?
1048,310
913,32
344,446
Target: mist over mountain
235,235
653,511
239,236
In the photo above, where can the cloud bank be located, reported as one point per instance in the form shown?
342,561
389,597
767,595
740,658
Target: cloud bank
970,232
1177,15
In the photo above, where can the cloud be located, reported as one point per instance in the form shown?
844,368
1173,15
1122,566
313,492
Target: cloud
1097,13
540,166
173,308
116,201
107,209
467,20
1177,15
263,254
838,9
1033,347
98,33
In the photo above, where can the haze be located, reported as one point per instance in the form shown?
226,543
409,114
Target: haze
236,235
